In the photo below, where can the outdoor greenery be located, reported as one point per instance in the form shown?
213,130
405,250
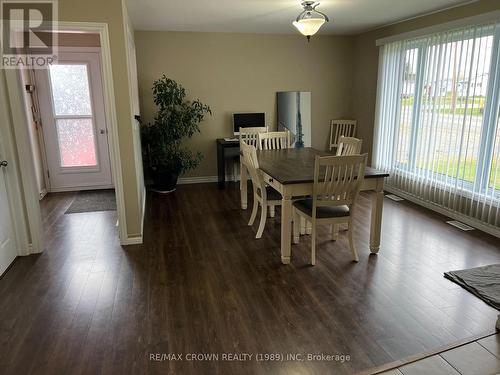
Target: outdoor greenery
461,111
476,102
175,120
466,170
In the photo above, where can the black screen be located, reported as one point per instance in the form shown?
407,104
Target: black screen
248,120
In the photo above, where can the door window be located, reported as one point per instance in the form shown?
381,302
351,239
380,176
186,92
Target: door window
72,109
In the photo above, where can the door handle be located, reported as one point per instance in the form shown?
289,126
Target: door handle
4,163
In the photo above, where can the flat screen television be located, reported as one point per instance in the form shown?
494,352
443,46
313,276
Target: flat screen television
248,120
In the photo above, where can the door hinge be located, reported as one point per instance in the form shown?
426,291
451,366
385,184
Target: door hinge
48,174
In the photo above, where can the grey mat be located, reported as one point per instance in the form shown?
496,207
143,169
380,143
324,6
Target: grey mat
93,200
484,282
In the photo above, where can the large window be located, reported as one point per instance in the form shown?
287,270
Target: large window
437,126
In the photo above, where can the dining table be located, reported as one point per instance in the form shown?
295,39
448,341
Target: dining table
291,172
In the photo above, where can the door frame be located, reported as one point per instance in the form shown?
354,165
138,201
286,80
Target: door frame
7,146
49,188
16,96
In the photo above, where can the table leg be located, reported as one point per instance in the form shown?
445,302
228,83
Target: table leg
376,216
309,227
243,186
302,226
286,229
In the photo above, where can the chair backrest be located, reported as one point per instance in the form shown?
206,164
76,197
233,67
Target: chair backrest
337,180
338,128
273,140
349,146
249,158
251,135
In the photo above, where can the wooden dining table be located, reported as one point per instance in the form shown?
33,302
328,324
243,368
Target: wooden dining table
291,172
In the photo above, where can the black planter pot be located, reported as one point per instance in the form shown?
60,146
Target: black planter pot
164,181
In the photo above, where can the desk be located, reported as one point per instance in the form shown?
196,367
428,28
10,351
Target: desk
291,172
225,150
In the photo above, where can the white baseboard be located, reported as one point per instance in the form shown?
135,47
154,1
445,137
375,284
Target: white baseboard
31,250
446,212
205,179
132,241
135,240
197,180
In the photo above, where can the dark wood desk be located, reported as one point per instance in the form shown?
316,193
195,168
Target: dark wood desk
225,150
291,172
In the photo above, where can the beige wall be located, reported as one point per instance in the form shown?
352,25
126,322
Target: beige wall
366,61
243,72
112,13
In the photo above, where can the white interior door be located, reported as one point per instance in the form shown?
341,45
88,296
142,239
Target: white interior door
7,239
73,122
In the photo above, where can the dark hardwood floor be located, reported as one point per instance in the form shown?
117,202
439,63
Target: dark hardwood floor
202,283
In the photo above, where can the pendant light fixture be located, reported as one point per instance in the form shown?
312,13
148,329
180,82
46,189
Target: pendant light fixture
310,20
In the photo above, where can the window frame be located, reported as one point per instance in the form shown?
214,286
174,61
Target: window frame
490,121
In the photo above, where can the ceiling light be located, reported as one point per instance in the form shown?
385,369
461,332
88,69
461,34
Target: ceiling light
310,20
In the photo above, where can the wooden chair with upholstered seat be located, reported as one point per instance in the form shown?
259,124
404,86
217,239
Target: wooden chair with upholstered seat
273,141
346,146
337,180
251,137
263,196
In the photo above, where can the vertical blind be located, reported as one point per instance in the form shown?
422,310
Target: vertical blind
437,121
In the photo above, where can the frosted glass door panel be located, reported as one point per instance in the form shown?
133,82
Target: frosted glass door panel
70,90
76,142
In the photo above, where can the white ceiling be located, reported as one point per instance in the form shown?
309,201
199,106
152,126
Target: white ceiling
274,16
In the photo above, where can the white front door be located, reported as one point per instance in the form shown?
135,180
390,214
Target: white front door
7,239
73,122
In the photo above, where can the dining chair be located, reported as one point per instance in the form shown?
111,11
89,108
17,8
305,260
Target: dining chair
339,128
251,135
337,180
273,140
349,146
263,195
346,146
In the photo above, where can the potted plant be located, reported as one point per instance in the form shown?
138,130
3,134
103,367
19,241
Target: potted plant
176,119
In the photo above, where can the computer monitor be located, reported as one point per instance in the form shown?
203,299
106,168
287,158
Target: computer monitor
248,120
